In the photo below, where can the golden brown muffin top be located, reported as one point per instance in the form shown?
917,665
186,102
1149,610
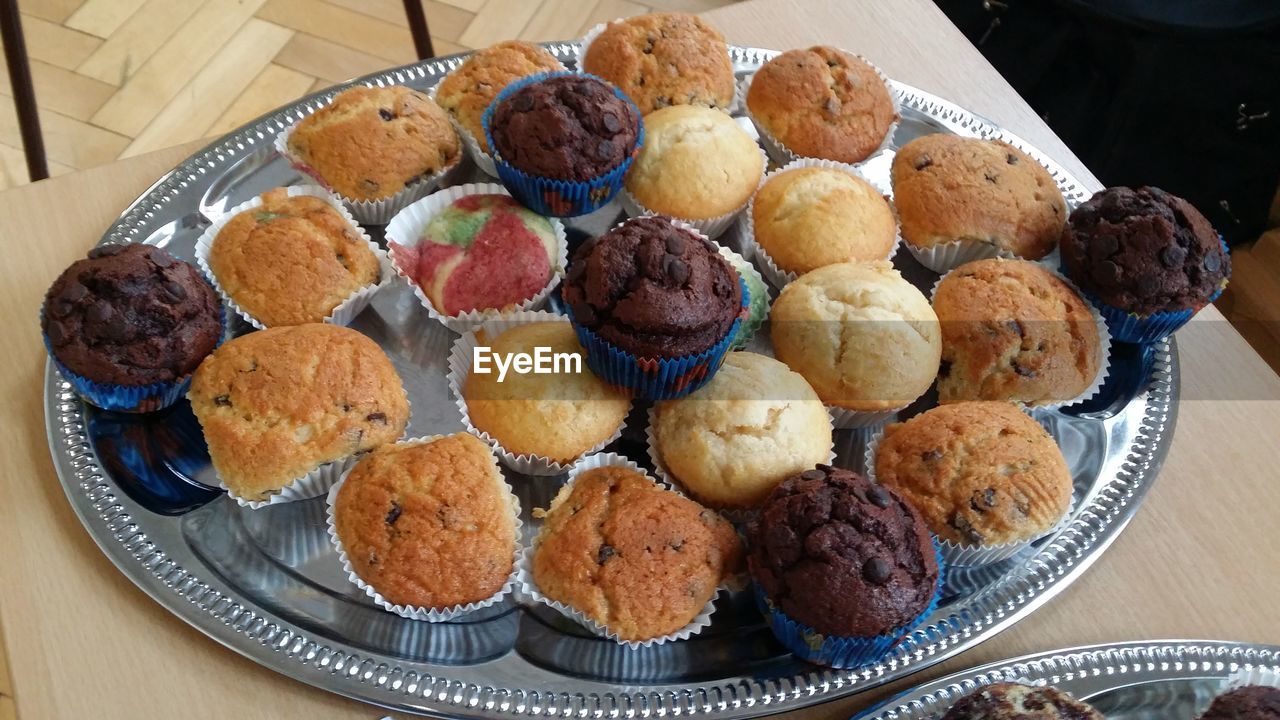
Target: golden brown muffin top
822,102
1012,330
663,59
980,473
277,403
638,559
468,91
429,524
949,188
369,143
291,260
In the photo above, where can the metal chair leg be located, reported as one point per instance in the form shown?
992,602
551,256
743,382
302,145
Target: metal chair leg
418,27
24,94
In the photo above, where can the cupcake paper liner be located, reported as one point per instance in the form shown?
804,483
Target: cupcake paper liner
406,229
751,248
945,257
736,515
711,227
758,304
313,484
560,198
782,155
846,419
1104,348
414,612
460,369
1265,676
841,652
369,212
529,587
348,309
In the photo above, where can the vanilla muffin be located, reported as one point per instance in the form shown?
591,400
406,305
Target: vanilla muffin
278,403
696,164
428,524
663,59
949,188
980,473
291,260
1012,330
808,217
864,338
466,92
369,143
639,560
822,102
557,416
732,441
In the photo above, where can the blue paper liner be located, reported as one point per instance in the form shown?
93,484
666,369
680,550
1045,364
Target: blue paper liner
841,652
549,196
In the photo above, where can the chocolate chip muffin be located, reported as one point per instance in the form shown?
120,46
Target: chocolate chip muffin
466,92
980,473
369,143
663,59
653,289
842,555
131,315
278,403
1144,251
1014,701
428,524
565,127
1251,702
822,102
639,560
1012,330
949,188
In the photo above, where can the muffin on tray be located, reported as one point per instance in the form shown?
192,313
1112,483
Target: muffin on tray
1249,702
1015,701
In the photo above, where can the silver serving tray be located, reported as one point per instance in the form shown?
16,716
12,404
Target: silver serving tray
1166,680
266,584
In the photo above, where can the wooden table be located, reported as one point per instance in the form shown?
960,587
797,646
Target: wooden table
1198,561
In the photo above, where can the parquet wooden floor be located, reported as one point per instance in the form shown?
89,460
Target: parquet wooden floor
116,78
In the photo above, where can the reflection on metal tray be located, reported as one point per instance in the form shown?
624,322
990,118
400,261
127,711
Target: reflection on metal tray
1170,680
266,583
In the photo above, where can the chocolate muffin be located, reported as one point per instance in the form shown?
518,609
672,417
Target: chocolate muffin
1144,251
131,315
566,127
1251,702
653,289
1014,701
842,555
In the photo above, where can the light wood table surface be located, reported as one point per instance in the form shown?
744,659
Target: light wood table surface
1198,561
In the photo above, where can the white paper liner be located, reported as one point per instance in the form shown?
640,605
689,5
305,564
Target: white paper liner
370,212
751,248
348,309
1265,676
711,227
313,484
782,155
971,555
1104,346
410,611
529,588
406,229
846,419
460,369
585,43
945,257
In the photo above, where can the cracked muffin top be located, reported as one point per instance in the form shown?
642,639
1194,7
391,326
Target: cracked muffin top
131,315
429,524
1014,701
565,127
278,403
949,188
980,473
733,440
842,555
1144,251
466,92
664,59
1251,702
640,560
822,102
369,143
291,260
1012,330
